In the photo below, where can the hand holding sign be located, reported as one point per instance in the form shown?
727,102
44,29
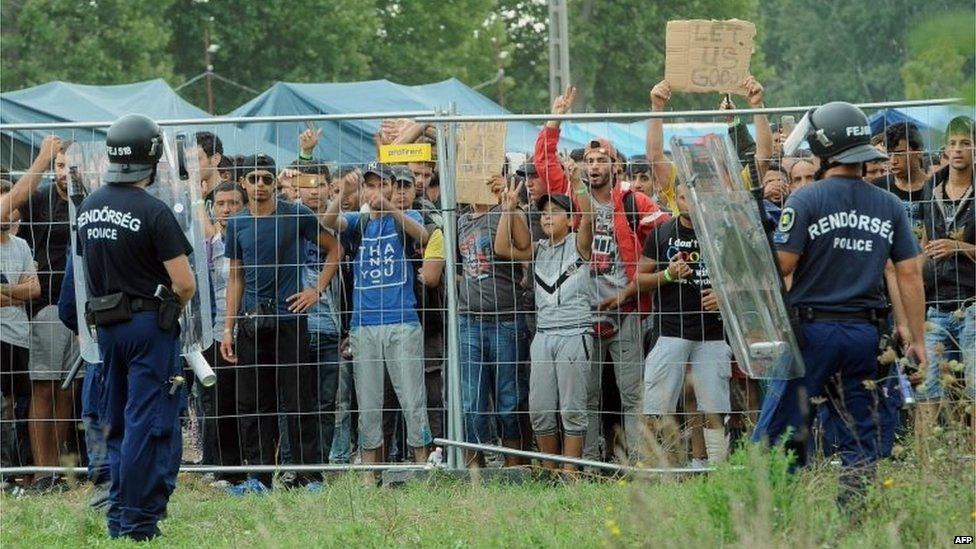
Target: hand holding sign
390,129
754,92
660,95
707,56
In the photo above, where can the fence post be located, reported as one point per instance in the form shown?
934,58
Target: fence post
446,143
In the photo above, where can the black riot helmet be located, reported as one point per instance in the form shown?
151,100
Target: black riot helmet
134,145
838,133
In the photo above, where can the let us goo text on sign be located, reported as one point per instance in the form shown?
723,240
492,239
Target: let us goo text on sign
708,56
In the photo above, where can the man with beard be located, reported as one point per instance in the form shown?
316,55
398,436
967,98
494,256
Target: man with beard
53,348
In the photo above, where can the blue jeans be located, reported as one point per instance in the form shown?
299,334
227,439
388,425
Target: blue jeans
956,335
493,377
839,358
324,351
92,391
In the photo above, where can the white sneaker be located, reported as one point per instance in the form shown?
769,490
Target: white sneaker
698,464
220,484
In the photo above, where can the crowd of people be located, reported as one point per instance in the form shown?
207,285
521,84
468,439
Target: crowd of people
587,320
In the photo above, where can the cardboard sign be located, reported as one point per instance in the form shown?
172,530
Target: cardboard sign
480,155
708,56
406,152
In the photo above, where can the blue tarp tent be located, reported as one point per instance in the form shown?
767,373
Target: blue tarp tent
352,141
630,138
932,121
66,102
889,117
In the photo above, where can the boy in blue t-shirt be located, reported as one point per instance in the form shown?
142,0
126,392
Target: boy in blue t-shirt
385,330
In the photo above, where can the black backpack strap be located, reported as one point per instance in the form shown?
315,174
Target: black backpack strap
630,209
356,239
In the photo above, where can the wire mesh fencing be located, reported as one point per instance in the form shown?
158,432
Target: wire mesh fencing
535,289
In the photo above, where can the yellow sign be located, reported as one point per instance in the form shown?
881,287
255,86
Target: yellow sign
406,152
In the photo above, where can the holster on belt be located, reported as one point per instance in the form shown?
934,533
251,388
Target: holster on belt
168,314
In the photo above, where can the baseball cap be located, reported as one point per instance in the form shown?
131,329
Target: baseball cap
561,200
377,169
602,145
401,174
527,170
256,162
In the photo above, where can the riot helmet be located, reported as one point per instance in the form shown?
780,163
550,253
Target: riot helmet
838,133
134,145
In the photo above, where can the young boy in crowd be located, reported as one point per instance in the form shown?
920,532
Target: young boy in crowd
949,223
559,374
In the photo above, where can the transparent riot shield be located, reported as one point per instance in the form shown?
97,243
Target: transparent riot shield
740,262
177,185
87,163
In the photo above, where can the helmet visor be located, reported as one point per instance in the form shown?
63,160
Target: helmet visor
798,136
859,154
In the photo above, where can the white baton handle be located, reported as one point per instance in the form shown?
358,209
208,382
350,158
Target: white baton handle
201,368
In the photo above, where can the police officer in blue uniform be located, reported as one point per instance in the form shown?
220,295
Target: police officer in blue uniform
138,278
835,237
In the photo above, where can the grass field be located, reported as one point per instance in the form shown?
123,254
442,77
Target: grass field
751,502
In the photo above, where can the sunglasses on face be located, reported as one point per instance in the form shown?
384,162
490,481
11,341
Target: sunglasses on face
254,179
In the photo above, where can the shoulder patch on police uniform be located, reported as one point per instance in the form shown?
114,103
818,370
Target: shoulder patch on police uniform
779,237
786,220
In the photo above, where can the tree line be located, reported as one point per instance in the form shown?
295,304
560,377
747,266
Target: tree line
806,51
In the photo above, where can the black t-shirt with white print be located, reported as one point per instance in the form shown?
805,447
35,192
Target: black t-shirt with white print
679,302
912,201
126,235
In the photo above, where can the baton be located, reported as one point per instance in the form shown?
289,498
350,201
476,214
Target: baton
72,373
201,368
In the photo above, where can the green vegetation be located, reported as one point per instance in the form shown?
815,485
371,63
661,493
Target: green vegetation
750,502
806,52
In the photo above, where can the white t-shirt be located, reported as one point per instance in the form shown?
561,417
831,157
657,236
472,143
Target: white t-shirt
16,262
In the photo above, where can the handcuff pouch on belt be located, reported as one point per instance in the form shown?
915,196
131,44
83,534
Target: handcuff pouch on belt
108,309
